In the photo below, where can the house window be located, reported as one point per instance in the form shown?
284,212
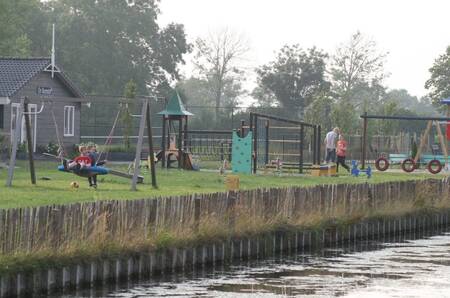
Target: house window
69,121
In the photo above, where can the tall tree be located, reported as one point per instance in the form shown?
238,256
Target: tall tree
439,82
216,60
319,111
15,22
199,99
264,97
406,101
295,76
355,64
104,43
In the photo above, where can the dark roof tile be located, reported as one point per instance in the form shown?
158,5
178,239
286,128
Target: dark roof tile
16,72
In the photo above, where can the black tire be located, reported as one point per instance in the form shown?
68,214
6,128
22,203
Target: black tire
405,164
384,162
434,163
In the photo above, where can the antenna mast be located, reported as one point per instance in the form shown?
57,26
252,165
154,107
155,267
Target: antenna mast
53,49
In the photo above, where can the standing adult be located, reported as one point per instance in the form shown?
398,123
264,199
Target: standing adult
330,145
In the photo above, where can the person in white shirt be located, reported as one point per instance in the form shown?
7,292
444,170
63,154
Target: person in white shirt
330,145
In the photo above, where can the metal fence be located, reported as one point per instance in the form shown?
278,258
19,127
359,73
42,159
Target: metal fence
98,118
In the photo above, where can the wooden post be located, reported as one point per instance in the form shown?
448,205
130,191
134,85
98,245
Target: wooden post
314,142
169,126
15,143
302,138
319,143
151,152
423,140
29,143
185,135
180,143
255,144
443,143
266,159
163,142
137,158
364,143
242,128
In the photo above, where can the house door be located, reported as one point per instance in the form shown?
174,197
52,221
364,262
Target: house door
32,108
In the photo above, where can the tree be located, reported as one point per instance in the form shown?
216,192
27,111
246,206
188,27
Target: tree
355,64
199,99
104,43
406,101
216,60
344,116
439,82
15,21
319,111
127,121
264,97
295,76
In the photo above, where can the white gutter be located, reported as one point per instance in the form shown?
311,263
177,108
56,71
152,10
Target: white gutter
4,101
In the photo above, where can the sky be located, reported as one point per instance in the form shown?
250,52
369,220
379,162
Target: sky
414,33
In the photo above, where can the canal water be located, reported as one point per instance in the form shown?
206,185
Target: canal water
414,265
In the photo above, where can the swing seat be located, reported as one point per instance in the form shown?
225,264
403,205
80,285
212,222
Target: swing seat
87,171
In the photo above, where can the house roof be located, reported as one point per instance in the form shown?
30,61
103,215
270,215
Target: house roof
17,72
175,107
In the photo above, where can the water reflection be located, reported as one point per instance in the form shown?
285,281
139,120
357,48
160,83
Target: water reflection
416,265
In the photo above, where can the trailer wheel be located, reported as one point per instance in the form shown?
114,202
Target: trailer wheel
382,164
434,166
408,165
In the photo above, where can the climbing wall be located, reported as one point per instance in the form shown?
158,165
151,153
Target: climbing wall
241,154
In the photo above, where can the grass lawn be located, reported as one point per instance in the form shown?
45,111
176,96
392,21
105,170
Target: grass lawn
170,182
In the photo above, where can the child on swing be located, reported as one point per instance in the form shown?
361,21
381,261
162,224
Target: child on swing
79,162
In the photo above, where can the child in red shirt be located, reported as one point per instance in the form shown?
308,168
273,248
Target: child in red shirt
79,162
341,151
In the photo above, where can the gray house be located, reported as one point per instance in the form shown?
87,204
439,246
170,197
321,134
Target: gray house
45,90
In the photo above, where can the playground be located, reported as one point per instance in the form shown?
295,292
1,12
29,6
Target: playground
267,151
58,190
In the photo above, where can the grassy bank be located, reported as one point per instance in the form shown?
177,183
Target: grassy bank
112,233
57,190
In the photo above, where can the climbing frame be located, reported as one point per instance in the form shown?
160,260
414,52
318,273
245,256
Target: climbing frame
241,154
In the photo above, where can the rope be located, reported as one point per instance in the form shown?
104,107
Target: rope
108,140
61,151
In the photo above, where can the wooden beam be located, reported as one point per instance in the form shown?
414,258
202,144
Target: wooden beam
443,143
137,159
15,143
140,179
29,144
302,138
163,142
151,152
423,141
364,143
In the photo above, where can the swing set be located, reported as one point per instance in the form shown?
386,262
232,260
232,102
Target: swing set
434,163
89,171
